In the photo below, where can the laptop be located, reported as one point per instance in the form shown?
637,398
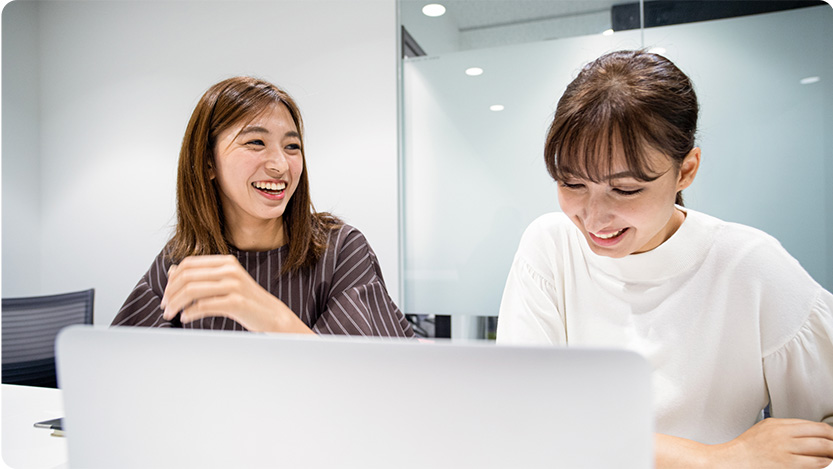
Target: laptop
143,398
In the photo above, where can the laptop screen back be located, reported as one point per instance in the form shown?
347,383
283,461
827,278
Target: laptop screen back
164,398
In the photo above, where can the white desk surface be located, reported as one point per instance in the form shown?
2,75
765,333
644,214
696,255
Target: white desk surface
23,445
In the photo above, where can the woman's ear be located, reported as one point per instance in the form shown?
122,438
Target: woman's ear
688,169
211,173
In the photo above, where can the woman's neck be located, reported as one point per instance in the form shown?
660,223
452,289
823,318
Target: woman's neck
259,237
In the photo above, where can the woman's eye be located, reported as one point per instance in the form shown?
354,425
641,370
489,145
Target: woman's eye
572,185
257,142
293,146
627,192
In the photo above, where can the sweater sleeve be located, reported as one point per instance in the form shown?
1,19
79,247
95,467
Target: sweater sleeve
799,374
142,305
529,311
358,302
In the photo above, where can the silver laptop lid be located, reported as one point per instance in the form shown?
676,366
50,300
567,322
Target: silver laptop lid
163,398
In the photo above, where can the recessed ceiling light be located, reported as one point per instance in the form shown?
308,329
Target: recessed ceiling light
474,71
809,80
607,32
433,10
657,50
496,107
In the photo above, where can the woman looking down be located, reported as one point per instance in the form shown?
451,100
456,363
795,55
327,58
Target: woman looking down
728,320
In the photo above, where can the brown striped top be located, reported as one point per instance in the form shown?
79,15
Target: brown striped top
343,293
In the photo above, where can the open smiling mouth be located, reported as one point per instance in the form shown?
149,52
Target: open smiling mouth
610,236
271,188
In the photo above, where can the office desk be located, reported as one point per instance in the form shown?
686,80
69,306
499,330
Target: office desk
23,445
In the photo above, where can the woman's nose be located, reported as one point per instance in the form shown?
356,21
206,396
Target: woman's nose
597,212
276,161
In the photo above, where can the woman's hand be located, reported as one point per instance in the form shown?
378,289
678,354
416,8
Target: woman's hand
209,286
770,443
780,443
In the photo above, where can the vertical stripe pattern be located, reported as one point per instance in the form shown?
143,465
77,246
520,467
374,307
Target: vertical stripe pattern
343,293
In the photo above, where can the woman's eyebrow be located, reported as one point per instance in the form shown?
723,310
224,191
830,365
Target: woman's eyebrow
253,129
256,129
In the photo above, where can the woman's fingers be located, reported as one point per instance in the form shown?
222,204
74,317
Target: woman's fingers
195,292
814,445
210,286
210,306
790,443
196,278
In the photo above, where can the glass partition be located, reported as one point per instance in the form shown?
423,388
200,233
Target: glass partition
472,143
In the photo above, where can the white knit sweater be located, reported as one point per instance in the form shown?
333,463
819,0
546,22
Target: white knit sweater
725,316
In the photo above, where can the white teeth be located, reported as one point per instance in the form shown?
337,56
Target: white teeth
270,186
611,235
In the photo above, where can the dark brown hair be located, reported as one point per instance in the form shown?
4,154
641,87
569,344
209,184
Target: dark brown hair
200,227
630,101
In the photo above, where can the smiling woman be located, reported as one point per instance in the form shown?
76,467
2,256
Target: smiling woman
250,252
729,321
257,165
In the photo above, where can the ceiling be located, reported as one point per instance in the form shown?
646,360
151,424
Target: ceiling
474,24
479,14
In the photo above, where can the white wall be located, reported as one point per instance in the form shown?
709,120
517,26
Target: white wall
20,137
116,83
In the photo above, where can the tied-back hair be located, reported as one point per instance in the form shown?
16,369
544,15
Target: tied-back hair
200,227
627,102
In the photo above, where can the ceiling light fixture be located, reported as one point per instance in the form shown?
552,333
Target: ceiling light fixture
433,10
496,107
474,71
658,50
809,80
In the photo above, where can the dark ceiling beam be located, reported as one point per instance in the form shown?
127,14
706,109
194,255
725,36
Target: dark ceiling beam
668,12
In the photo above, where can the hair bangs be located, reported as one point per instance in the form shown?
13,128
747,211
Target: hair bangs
242,102
590,144
584,152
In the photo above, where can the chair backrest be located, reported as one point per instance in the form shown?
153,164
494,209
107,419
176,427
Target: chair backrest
30,326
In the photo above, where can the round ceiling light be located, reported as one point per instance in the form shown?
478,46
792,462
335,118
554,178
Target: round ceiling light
433,10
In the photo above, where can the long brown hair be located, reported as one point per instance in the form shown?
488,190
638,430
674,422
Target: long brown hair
634,99
200,227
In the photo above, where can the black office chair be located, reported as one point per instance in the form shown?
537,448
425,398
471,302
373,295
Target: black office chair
30,326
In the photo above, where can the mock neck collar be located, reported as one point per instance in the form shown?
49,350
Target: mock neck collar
684,250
